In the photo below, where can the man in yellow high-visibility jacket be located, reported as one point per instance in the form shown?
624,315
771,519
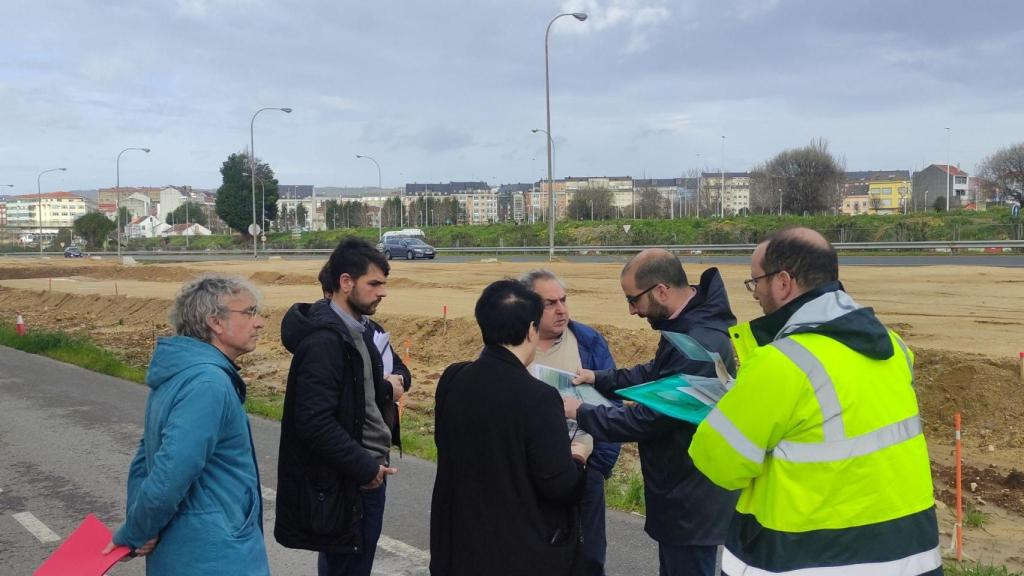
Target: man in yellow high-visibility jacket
820,431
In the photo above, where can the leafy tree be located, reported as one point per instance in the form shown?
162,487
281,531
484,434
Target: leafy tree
650,203
196,214
392,215
126,217
432,211
234,197
1006,169
94,227
807,177
939,205
596,201
300,215
63,237
283,219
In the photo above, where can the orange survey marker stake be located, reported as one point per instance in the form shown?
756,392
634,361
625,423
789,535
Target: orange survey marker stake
115,289
444,317
959,493
408,351
1022,367
19,324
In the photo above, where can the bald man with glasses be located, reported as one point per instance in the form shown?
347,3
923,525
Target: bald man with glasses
686,514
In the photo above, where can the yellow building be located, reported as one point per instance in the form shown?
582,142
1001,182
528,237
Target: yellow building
888,196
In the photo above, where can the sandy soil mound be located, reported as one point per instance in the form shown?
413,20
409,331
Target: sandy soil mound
278,279
985,391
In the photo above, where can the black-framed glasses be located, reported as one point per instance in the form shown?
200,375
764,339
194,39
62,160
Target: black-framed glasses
632,299
251,311
751,283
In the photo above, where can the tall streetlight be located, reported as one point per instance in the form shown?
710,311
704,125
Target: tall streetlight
39,208
118,209
8,186
581,16
721,199
263,206
252,167
380,188
700,176
947,168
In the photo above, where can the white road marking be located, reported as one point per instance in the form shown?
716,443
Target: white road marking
268,493
35,527
399,548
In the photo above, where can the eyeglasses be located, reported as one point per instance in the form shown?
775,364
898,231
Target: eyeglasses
251,311
632,299
751,283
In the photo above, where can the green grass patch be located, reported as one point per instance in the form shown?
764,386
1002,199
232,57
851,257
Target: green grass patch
977,569
974,517
625,491
418,435
271,407
71,349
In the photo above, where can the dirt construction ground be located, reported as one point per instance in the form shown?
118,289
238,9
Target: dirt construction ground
964,323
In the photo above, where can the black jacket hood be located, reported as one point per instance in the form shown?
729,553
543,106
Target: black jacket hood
829,311
303,319
708,307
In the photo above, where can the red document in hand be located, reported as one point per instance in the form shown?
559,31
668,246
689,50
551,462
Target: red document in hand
81,554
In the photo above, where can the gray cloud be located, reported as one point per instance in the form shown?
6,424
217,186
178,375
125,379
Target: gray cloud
450,90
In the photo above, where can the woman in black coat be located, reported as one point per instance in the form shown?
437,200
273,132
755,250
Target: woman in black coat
508,482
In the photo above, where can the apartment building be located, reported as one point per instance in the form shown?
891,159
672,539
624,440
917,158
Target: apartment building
58,210
736,198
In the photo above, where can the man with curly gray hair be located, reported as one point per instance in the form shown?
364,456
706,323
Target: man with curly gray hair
194,502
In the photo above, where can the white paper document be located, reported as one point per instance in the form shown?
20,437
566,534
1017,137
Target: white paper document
561,381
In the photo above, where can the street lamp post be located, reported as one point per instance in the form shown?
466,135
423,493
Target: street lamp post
581,16
118,189
947,168
252,166
721,199
8,186
380,188
700,176
39,207
553,157
263,207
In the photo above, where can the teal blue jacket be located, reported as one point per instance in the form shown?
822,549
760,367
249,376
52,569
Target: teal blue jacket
194,481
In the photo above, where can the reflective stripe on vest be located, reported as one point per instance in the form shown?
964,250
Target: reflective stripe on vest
836,446
736,439
906,354
920,563
824,389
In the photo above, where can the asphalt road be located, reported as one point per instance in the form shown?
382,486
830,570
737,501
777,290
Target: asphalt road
67,436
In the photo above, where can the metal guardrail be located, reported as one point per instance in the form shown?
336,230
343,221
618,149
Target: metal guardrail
927,246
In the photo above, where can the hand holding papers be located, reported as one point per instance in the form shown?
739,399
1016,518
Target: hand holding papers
561,381
694,351
684,396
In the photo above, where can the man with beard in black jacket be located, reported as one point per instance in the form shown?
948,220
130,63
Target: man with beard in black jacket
339,418
686,513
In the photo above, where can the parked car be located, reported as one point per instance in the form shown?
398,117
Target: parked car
408,248
72,252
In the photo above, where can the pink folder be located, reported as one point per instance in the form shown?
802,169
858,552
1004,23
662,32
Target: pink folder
80,554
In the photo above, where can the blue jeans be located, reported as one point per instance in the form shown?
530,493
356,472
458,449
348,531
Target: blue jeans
592,519
687,560
359,564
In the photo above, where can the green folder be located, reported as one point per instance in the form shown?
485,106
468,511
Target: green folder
680,396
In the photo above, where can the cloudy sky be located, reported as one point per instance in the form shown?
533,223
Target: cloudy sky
445,90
